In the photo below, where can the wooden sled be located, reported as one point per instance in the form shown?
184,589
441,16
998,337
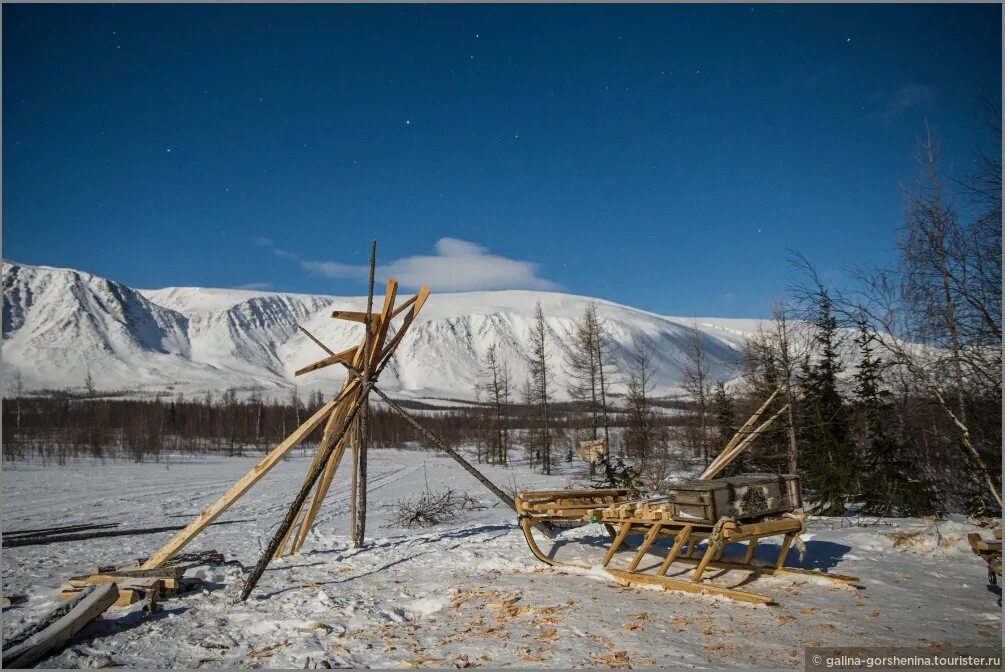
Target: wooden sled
617,510
990,552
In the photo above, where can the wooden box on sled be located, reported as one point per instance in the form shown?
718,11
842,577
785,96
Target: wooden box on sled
740,497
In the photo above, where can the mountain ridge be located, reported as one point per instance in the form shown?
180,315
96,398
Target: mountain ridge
60,324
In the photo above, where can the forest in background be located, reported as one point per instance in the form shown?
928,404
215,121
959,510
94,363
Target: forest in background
889,388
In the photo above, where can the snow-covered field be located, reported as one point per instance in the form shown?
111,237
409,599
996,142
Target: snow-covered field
463,594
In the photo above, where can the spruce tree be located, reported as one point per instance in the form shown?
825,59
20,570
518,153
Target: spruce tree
891,484
829,465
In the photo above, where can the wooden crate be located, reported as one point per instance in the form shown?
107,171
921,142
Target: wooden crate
742,497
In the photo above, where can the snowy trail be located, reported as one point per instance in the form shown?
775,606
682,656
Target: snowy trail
469,593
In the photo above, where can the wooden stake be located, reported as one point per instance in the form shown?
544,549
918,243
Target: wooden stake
298,502
372,344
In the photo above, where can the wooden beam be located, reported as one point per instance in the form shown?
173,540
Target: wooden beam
389,349
338,358
59,627
622,533
678,543
646,543
211,512
351,316
725,460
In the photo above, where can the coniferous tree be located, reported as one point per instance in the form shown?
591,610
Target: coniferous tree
829,465
891,483
725,413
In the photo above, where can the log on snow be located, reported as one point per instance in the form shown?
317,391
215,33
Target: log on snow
59,626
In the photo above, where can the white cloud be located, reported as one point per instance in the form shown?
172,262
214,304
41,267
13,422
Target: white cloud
456,266
255,285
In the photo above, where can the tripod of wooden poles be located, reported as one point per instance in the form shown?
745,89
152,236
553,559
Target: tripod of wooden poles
345,420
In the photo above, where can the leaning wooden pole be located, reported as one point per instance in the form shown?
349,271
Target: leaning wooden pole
468,467
362,440
211,512
298,502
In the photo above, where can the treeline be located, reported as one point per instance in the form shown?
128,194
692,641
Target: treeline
62,425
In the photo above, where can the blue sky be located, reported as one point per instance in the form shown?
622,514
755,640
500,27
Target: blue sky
666,157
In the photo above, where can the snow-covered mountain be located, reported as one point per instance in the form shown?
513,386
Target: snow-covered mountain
60,324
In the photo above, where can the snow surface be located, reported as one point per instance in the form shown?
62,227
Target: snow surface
466,593
58,324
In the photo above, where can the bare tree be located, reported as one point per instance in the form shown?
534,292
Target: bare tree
786,366
89,383
938,313
538,392
18,393
495,387
586,363
694,381
640,385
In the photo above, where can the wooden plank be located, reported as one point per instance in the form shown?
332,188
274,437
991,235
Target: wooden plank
319,496
710,551
383,322
211,512
300,498
646,543
629,578
712,471
622,533
420,300
351,316
751,549
344,357
52,635
311,508
403,307
678,543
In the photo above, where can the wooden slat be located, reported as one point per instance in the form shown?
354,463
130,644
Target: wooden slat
338,358
351,316
622,533
383,322
420,299
678,543
646,543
